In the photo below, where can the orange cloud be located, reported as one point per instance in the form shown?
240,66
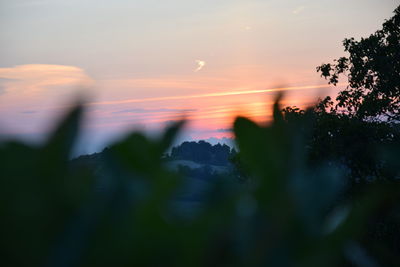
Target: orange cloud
35,78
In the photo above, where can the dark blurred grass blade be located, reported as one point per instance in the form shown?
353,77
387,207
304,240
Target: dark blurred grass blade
62,140
170,135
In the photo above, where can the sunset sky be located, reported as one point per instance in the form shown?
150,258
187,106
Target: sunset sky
142,64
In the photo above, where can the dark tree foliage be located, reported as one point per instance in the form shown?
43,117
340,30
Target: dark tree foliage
203,152
365,117
355,144
373,71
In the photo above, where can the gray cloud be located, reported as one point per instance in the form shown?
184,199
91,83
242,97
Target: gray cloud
228,130
224,140
221,130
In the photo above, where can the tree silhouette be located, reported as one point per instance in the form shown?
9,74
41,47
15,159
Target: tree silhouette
373,71
353,130
203,152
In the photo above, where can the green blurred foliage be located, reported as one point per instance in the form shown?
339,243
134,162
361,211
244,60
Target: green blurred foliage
314,188
288,211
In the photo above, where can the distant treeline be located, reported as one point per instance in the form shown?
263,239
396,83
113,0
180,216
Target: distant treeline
203,152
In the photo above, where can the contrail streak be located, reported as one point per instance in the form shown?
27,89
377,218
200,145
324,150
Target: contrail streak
231,93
